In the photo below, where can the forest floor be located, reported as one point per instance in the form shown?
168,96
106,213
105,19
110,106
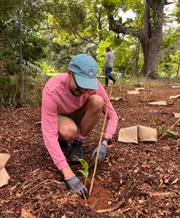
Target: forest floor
136,180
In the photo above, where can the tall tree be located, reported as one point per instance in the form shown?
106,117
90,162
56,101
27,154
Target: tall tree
150,35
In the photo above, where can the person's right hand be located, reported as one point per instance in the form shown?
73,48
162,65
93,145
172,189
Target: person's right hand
76,185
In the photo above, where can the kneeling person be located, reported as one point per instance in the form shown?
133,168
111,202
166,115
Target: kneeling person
72,104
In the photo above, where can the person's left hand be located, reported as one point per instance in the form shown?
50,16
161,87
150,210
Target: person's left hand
102,152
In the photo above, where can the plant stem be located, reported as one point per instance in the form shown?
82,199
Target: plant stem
85,181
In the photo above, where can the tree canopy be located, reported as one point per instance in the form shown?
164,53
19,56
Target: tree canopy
46,34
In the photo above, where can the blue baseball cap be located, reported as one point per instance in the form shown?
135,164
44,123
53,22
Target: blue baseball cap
85,70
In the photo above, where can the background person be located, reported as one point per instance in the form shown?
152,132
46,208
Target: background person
108,66
72,104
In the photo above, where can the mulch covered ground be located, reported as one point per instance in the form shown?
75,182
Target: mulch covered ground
136,180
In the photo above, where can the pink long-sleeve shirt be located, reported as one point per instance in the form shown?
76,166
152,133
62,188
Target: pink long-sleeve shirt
57,99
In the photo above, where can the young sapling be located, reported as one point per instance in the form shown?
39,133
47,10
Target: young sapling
162,130
85,170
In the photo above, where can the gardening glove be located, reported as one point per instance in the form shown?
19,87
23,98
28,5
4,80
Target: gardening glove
75,184
102,152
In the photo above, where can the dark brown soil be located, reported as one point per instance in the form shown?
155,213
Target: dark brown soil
136,180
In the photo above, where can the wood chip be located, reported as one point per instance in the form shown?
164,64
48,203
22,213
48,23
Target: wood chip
26,214
174,96
175,181
161,194
176,87
133,92
163,103
117,99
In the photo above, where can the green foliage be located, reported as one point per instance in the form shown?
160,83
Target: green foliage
70,15
33,49
111,4
124,50
82,26
49,33
4,92
49,68
177,11
170,53
101,53
18,28
13,94
74,30
71,19
21,47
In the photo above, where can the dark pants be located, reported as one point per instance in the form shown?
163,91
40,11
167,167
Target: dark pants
108,75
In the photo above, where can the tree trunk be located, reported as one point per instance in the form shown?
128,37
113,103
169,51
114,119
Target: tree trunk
150,36
137,59
178,67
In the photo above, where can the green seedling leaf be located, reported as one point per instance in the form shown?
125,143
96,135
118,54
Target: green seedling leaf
84,163
161,130
172,133
85,173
